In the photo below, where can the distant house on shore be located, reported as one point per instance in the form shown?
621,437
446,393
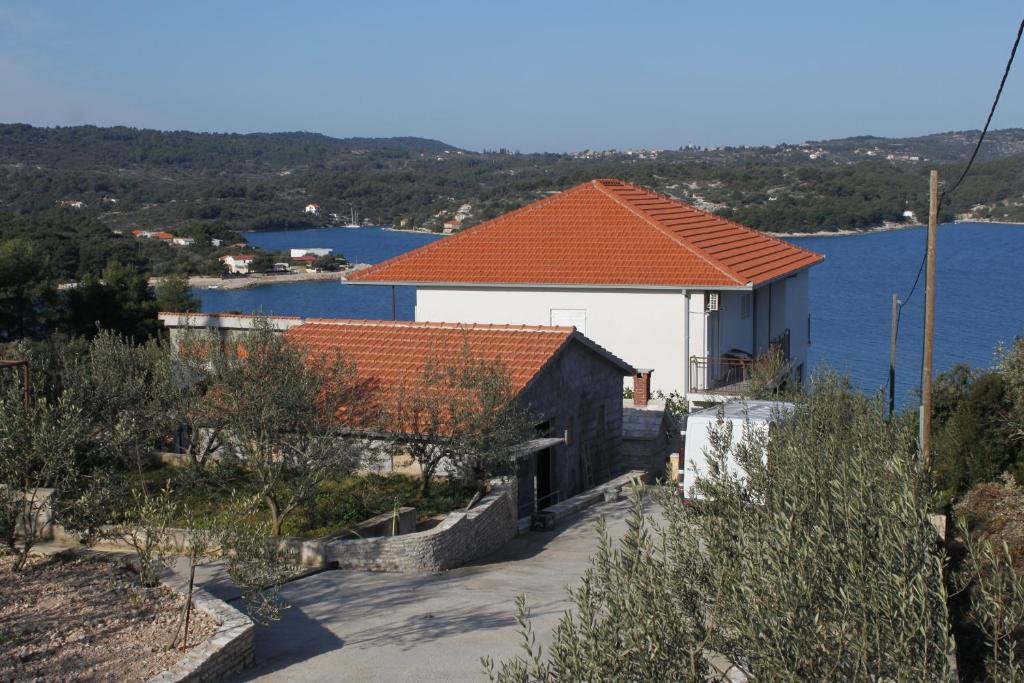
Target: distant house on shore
313,209
315,251
452,225
305,261
570,385
237,265
71,204
183,241
658,282
166,236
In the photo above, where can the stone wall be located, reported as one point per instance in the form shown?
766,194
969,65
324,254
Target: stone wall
228,651
581,398
460,538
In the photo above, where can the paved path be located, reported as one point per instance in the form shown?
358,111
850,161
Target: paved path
362,626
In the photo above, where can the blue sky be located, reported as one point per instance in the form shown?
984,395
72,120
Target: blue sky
534,76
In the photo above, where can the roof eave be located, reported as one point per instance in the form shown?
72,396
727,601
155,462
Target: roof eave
548,285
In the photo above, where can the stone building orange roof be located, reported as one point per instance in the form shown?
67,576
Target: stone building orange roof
392,354
603,232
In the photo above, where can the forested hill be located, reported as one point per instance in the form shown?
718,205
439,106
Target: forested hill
94,148
210,184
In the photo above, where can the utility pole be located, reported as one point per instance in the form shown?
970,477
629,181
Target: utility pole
892,354
929,324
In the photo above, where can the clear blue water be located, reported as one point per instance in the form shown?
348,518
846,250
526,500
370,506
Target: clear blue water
980,300
326,299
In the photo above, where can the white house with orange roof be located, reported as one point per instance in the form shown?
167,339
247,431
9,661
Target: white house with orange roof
237,264
661,284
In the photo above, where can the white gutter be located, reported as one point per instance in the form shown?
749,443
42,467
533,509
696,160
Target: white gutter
686,347
533,285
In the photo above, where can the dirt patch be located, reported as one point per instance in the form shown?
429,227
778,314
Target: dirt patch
86,618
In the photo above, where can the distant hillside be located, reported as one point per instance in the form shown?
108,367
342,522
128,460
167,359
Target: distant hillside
937,147
215,184
94,148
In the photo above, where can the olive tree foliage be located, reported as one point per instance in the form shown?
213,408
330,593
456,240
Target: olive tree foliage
819,564
37,451
995,606
459,413
124,390
1011,365
634,620
199,367
252,564
281,409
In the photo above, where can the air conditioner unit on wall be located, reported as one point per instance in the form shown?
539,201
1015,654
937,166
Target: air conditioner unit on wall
711,301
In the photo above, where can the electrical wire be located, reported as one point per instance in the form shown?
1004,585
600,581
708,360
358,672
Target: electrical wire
946,194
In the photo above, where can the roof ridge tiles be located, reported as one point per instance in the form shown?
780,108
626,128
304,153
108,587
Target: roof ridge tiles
664,230
601,233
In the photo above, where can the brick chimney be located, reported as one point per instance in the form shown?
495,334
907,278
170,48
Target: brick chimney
641,387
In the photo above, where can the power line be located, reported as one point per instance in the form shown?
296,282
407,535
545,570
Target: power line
970,162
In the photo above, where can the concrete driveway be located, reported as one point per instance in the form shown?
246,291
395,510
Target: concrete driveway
361,626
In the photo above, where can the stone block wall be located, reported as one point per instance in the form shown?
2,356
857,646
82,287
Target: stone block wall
460,538
228,651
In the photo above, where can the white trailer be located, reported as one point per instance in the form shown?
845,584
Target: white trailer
759,414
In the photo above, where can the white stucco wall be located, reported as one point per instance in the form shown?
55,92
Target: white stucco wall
645,328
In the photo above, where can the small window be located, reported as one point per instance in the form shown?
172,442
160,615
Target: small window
745,301
568,431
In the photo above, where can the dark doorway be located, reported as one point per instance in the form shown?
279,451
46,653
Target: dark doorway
543,489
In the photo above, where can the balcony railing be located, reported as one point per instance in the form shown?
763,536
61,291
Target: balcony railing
731,374
720,375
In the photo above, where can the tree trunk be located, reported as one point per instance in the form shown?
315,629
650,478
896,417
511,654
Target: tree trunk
426,474
275,516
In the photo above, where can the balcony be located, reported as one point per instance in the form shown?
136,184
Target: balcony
731,374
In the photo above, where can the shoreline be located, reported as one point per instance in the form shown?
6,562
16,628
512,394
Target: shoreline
887,227
232,283
846,232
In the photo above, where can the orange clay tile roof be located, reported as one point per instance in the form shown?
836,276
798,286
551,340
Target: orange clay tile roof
603,232
393,353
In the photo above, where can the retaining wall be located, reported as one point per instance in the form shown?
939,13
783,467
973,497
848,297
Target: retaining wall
460,538
225,653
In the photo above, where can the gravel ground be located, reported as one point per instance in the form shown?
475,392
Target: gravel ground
86,618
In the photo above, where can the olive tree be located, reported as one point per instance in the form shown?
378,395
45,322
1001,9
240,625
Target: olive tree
817,562
459,413
281,408
37,453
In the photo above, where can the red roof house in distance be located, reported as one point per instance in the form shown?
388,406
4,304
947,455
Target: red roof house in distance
570,385
237,264
658,282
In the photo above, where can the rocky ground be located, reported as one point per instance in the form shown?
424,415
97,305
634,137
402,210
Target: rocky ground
87,618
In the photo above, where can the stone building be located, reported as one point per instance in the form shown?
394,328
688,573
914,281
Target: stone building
571,386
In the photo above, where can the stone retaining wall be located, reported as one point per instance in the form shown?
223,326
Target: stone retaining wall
460,538
225,653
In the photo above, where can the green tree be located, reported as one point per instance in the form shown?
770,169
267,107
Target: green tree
281,409
37,453
121,301
460,412
173,294
818,563
27,296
